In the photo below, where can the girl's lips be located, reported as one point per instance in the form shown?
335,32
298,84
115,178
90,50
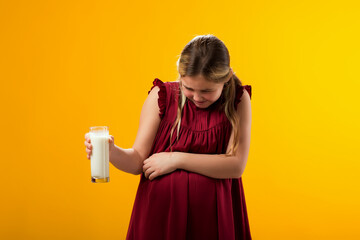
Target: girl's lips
199,102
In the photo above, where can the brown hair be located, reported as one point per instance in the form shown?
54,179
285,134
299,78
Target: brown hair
206,55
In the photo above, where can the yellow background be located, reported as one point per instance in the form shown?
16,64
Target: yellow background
69,65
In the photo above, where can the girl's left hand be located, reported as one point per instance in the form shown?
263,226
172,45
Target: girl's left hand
159,164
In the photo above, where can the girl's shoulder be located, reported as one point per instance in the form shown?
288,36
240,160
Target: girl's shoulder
240,89
247,88
166,95
174,85
166,88
159,83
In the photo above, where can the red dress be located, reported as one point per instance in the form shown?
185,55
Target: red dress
184,205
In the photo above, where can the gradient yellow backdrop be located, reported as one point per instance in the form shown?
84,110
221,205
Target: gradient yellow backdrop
69,65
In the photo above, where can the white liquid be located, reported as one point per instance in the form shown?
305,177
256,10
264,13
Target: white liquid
100,155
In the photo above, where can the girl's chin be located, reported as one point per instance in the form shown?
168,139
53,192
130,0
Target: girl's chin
201,104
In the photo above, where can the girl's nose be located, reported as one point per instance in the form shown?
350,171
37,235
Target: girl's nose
197,97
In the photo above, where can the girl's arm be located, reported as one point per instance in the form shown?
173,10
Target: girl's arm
131,160
220,165
211,165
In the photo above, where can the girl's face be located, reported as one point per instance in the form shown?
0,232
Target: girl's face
201,92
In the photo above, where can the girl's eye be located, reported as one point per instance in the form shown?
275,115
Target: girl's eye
205,91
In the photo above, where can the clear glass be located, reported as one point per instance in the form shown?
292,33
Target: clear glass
99,159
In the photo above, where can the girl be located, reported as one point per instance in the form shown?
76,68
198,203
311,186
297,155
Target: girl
191,150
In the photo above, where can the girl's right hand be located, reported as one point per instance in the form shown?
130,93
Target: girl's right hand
89,146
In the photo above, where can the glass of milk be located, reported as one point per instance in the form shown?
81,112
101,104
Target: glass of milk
99,158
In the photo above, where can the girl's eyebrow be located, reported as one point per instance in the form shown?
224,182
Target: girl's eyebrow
208,89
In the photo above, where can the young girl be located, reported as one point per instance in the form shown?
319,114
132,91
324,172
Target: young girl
191,150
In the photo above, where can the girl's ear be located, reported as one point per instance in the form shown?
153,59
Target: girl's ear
231,72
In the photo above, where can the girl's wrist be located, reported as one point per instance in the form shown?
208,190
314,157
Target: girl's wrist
112,153
176,159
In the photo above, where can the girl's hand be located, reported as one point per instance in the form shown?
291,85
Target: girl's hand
159,164
89,146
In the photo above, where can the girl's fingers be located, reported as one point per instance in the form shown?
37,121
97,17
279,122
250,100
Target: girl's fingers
146,166
152,176
148,172
88,145
87,138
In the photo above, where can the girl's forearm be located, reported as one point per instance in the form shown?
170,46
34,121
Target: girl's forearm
127,160
211,165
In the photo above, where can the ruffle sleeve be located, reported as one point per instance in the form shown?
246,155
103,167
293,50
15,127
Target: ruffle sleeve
239,93
162,96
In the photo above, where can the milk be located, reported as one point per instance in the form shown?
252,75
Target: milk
99,158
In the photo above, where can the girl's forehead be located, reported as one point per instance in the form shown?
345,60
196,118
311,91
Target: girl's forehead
199,83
